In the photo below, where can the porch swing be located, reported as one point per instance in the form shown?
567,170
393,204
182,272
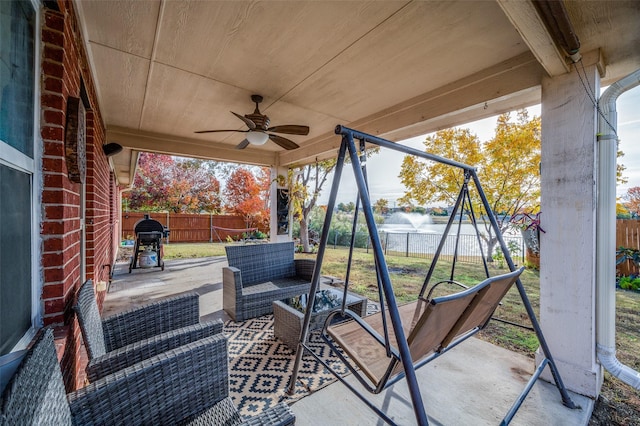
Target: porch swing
385,347
457,317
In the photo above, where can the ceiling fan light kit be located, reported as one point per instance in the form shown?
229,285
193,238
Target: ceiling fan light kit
257,138
258,126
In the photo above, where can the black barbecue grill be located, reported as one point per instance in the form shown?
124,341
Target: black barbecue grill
149,235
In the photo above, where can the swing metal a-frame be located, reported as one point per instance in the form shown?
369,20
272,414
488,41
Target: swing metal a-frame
427,328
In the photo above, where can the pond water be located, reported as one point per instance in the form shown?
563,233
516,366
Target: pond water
412,233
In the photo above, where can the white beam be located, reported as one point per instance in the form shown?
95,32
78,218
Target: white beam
505,86
527,21
514,101
186,147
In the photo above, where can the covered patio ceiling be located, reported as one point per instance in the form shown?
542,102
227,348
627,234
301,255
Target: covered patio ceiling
398,69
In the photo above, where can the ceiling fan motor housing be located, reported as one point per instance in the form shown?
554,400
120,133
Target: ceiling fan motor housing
261,121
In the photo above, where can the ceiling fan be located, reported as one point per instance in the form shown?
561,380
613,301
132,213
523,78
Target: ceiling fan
258,128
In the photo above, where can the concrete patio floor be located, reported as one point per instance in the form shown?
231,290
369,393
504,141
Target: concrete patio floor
474,384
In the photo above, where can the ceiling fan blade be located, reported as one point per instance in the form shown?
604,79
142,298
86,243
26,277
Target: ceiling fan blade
250,124
284,142
290,129
216,131
243,144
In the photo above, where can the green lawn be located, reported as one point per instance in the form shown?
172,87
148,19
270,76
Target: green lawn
408,274
192,250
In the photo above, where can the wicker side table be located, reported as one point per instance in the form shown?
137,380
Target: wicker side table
288,314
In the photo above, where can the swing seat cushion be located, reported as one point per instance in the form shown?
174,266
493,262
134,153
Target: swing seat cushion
429,327
261,274
367,352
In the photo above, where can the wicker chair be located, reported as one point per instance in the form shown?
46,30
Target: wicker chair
185,386
124,339
260,274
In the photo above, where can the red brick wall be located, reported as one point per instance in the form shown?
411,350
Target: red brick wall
60,197
64,65
99,202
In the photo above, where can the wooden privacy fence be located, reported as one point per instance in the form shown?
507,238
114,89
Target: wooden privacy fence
189,228
628,236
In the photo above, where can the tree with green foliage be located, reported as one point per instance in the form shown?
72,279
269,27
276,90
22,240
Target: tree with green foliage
437,211
341,226
349,207
305,185
381,206
508,169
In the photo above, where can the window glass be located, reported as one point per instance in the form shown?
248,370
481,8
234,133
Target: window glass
18,311
15,256
17,21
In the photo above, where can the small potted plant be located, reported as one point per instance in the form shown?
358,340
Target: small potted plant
529,225
627,261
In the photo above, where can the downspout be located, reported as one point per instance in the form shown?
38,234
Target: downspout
606,232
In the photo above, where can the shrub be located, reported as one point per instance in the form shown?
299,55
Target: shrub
629,283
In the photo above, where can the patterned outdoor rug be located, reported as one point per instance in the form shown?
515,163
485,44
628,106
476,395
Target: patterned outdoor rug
260,366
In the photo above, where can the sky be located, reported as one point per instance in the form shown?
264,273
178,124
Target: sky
383,168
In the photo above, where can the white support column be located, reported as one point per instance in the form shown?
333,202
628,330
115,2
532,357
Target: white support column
568,248
275,236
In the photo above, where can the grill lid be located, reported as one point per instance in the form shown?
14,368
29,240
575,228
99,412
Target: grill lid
148,225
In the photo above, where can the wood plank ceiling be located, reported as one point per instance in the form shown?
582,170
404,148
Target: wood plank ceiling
165,69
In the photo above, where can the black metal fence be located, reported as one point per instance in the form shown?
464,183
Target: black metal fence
424,245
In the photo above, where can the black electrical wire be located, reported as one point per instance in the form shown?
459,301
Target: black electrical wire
591,94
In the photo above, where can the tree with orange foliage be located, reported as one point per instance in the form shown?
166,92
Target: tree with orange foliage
633,200
194,188
247,195
179,185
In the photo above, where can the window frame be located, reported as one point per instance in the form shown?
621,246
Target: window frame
14,159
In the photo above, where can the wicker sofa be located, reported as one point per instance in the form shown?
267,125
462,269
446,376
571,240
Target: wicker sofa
259,274
188,385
